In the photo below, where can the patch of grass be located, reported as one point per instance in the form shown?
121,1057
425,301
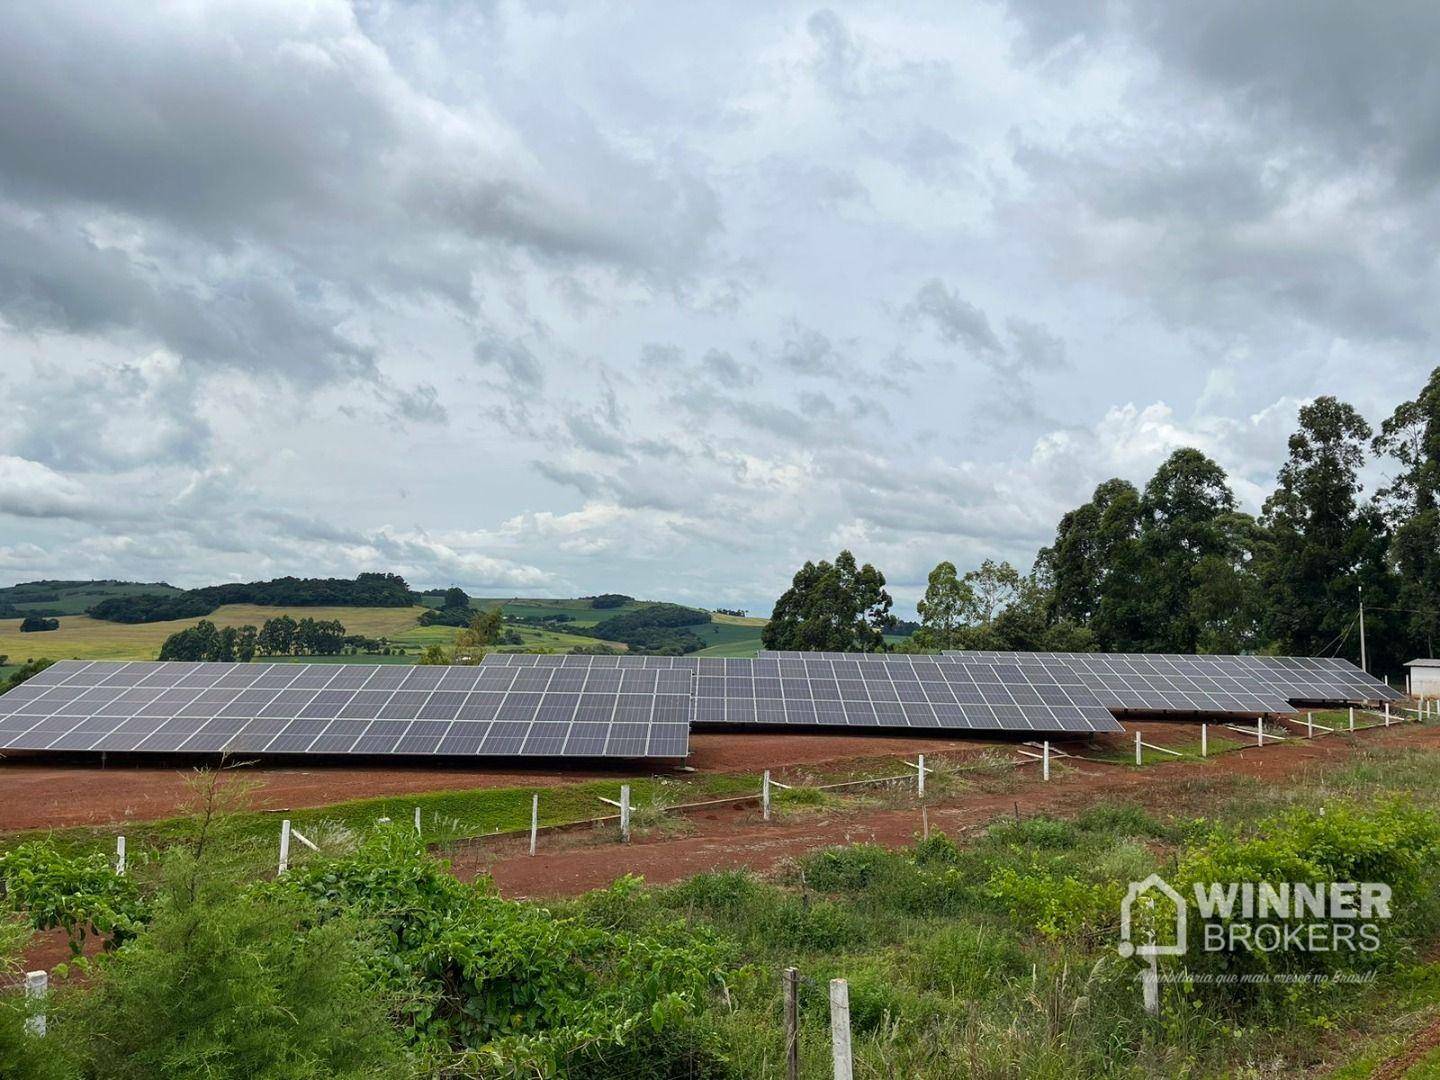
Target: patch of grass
445,815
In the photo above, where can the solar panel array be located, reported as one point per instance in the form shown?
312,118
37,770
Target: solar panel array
904,692
528,705
1146,681
349,709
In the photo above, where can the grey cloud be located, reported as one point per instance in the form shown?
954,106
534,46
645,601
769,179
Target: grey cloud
591,435
1035,348
955,319
809,352
420,404
514,359
250,319
1360,77
726,370
661,357
837,57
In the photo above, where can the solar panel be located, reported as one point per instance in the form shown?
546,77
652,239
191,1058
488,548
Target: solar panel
524,711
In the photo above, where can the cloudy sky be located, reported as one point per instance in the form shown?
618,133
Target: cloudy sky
540,299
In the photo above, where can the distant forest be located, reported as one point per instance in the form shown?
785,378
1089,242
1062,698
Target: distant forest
366,590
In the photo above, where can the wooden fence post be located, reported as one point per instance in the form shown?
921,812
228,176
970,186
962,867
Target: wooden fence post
625,813
120,855
840,1029
792,1023
765,796
920,776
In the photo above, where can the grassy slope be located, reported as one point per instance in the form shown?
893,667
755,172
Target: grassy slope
730,635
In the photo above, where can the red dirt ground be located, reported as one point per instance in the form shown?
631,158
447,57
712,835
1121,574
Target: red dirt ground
734,836
40,793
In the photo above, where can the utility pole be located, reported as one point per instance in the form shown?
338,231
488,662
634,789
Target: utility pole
1363,665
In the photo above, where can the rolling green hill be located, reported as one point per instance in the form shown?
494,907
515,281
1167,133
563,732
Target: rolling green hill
73,597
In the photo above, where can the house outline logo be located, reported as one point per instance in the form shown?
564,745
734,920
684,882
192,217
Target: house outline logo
1137,890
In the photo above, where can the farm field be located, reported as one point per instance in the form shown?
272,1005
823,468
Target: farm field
83,638
730,635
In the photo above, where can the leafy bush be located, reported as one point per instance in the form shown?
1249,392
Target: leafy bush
34,624
937,849
724,892
1393,844
232,984
514,983
81,893
1056,905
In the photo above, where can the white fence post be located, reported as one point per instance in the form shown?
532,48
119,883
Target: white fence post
1204,740
765,796
1259,731
1352,717
625,812
534,820
840,1029
417,821
1045,761
920,776
1138,759
284,845
1387,714
1150,986
1310,725
37,985
120,855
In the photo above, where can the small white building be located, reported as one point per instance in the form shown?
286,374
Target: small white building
1424,678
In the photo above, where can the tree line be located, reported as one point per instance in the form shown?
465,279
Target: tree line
280,636
1176,566
366,590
